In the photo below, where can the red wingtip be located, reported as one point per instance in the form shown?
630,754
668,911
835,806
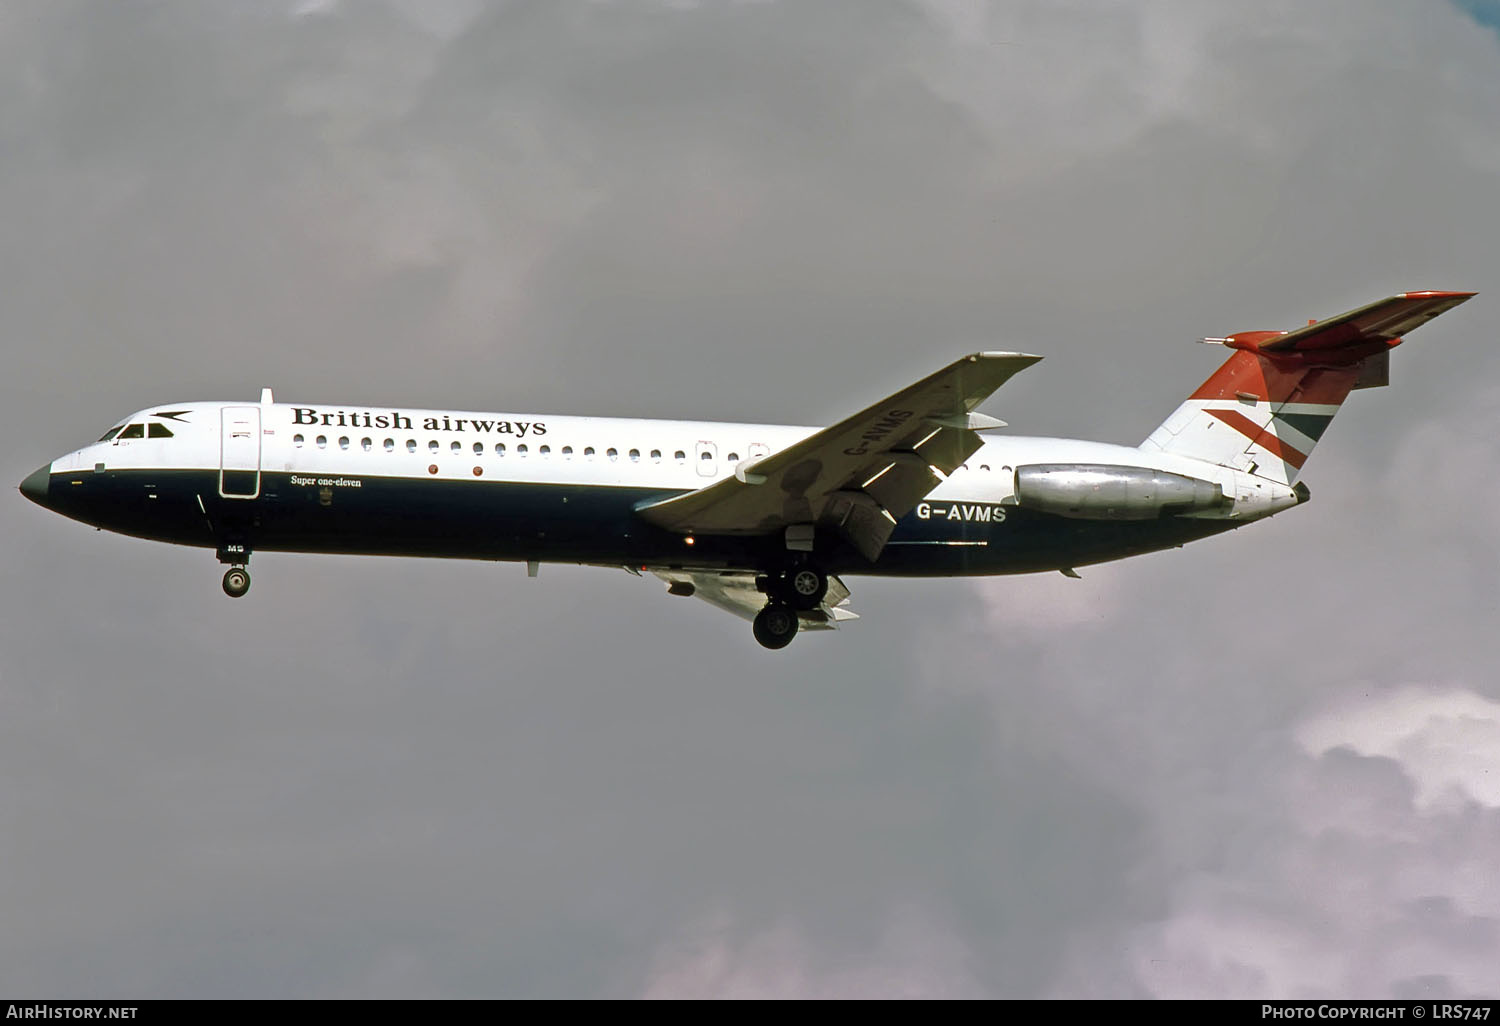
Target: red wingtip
1437,294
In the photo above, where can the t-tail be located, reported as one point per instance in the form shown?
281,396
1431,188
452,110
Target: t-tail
1266,407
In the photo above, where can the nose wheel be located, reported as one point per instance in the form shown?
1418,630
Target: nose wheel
775,626
236,581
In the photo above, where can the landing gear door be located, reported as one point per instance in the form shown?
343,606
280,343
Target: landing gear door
239,452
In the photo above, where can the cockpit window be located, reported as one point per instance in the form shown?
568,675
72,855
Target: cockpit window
158,431
133,431
111,433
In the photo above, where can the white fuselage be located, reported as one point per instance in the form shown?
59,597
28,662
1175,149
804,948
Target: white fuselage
354,443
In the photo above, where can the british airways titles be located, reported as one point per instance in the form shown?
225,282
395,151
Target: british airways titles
312,416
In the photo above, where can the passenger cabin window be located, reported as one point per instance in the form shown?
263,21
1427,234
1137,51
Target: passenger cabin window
133,431
297,440
457,447
545,450
635,455
734,457
411,445
478,448
499,448
521,450
567,452
589,451
344,442
655,455
680,456
613,454
322,441
365,444
158,431
432,446
390,445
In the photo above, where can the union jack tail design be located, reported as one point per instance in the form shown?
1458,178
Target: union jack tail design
1269,404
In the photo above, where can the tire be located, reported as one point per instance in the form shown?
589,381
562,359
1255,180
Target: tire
236,581
805,587
775,626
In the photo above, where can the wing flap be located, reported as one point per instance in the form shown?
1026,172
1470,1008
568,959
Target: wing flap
864,521
902,480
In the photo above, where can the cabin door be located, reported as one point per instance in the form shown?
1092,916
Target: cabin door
239,452
707,459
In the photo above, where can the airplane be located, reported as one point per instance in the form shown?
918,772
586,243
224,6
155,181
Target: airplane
761,520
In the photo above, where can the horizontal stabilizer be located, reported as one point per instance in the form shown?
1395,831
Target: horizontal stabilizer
1384,321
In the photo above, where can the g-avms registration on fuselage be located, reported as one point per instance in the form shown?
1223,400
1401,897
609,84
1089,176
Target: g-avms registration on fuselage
759,519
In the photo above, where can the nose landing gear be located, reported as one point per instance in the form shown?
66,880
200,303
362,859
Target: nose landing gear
236,581
236,578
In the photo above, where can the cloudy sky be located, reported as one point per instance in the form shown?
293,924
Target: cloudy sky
1264,765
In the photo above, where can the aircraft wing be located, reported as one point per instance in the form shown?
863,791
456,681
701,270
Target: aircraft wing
1385,320
734,591
860,475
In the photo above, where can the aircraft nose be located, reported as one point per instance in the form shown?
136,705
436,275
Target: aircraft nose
36,484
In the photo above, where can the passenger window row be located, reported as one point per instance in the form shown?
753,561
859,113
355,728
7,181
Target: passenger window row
520,449
434,446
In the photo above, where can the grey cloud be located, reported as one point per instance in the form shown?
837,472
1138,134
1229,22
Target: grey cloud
401,778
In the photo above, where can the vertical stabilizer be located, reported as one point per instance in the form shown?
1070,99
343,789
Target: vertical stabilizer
1257,417
1269,404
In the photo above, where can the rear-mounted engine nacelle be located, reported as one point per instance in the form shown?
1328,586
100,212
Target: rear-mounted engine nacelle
1091,491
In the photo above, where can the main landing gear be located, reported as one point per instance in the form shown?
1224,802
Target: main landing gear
776,625
797,589
804,587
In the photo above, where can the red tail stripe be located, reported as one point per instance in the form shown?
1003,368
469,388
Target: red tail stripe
1245,373
1261,437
